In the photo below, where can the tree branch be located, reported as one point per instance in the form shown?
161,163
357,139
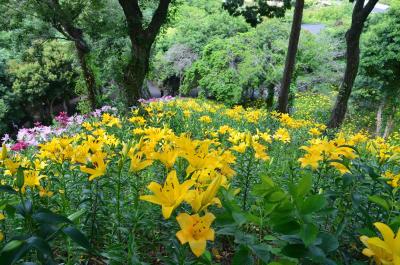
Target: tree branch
158,19
367,9
133,14
358,7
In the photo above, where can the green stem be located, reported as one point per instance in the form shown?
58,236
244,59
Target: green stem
27,218
247,184
121,165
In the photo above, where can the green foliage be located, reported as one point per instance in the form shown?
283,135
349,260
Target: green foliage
333,15
255,10
235,69
194,26
228,69
381,48
239,68
378,82
44,73
42,226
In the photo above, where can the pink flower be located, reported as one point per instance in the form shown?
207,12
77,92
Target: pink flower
21,145
5,138
162,99
62,119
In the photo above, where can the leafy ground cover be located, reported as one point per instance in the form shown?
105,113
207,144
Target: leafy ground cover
184,181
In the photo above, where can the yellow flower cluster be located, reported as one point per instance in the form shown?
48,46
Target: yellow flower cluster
383,150
330,151
196,159
290,122
393,179
208,170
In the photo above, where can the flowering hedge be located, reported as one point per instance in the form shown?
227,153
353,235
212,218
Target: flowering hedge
183,181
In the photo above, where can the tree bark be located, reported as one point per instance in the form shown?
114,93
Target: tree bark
379,117
142,40
389,126
291,57
390,122
64,24
353,35
136,70
87,75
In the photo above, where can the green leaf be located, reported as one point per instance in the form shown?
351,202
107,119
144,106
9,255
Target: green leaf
244,239
10,210
304,186
77,237
261,251
76,215
8,189
288,228
228,230
312,204
43,249
308,233
265,187
48,217
13,251
243,256
372,173
239,218
10,246
270,238
329,242
282,262
206,257
24,209
275,196
380,202
347,179
294,250
20,178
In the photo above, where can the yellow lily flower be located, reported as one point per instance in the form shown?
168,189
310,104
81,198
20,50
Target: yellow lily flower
199,200
100,167
11,166
241,148
170,195
386,251
137,162
282,135
31,179
195,230
167,156
311,159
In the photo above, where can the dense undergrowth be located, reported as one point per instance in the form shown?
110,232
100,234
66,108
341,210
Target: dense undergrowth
183,181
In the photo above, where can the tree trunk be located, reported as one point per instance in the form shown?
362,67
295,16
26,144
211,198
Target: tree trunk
291,57
270,96
64,23
136,70
359,16
87,75
379,117
352,62
390,122
141,40
389,126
